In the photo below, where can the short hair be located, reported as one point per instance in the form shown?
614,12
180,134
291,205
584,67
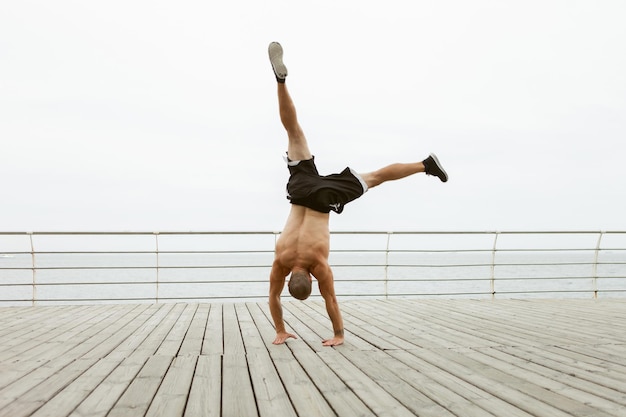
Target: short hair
300,285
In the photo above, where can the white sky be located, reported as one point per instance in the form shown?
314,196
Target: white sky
162,115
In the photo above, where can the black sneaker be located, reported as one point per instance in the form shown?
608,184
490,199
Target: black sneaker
433,167
276,58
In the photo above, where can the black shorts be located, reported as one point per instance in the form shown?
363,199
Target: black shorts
323,193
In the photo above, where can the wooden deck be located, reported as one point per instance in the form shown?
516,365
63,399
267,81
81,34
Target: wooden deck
401,358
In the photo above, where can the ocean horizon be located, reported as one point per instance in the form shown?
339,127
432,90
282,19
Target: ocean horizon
214,276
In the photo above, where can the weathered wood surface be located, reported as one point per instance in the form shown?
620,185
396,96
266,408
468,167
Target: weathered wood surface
401,358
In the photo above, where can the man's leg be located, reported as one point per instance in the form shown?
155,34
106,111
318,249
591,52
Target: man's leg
430,166
392,172
298,148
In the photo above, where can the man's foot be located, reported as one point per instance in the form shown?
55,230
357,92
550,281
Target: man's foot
433,167
276,58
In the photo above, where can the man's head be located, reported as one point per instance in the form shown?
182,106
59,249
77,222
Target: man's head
300,285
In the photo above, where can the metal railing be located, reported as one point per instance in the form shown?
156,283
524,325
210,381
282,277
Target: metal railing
115,267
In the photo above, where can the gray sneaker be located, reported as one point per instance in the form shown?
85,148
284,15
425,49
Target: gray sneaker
276,58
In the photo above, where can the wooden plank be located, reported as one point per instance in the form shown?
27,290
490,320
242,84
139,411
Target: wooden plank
171,398
237,391
138,397
174,339
233,343
192,344
206,388
152,343
269,392
213,342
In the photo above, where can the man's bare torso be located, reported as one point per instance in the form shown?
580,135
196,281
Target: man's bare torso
304,242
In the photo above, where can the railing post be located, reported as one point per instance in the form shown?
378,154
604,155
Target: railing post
156,242
387,266
493,265
33,263
595,266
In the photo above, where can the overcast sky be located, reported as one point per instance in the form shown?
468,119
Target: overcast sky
162,115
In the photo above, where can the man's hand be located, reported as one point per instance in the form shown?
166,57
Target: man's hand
335,341
282,338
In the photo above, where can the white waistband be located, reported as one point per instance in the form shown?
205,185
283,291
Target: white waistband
361,180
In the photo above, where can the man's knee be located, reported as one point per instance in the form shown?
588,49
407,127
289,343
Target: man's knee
372,179
298,147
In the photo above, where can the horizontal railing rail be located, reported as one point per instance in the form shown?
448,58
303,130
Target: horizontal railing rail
114,267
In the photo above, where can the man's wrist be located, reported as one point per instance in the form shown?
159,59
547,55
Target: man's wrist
339,333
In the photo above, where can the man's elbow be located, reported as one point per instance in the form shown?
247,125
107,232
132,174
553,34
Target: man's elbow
330,299
274,299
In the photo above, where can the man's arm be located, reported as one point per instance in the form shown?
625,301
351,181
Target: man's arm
277,282
324,276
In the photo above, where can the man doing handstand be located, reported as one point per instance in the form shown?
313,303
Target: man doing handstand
303,246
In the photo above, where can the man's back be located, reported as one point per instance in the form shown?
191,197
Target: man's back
304,242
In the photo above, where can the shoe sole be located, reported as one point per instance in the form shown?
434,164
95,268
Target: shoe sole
443,171
275,51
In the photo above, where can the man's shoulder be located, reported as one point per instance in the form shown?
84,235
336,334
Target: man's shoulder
279,269
321,265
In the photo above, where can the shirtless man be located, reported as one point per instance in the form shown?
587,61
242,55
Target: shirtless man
303,247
